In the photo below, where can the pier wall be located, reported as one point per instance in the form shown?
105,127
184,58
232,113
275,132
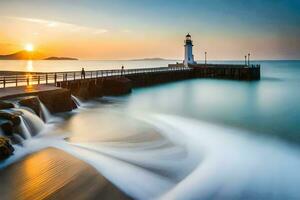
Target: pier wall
122,84
148,79
236,72
97,87
57,101
197,71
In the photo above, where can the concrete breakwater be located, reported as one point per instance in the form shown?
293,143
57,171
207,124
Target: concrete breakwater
231,72
122,83
119,85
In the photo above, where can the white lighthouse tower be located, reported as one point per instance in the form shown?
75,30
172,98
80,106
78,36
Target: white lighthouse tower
188,54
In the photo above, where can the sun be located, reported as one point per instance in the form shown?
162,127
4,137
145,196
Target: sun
29,47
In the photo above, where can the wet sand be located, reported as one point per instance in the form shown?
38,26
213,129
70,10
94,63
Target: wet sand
55,174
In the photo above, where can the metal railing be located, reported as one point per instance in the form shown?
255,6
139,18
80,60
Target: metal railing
38,78
226,65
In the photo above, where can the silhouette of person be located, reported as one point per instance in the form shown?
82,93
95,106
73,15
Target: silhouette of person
83,73
122,70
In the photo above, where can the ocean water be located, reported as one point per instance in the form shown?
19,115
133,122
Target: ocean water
192,139
77,65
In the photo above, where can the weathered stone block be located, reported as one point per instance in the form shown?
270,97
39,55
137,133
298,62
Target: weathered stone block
33,103
6,149
13,116
6,105
57,101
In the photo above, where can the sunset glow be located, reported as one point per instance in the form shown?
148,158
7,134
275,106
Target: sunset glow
99,30
29,47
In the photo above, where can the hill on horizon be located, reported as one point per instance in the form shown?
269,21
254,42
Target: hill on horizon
31,55
22,55
60,58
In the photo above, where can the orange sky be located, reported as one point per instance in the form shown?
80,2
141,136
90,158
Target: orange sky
100,30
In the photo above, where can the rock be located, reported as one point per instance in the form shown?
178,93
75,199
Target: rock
57,101
10,122
13,116
6,149
33,103
16,139
7,127
6,105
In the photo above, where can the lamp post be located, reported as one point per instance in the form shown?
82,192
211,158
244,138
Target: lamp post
249,59
205,57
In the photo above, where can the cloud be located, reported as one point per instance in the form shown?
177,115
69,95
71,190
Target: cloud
62,25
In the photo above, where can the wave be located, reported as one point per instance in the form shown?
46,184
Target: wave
204,161
235,165
188,159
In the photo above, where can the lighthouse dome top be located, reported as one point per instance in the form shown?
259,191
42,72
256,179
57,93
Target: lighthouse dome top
188,37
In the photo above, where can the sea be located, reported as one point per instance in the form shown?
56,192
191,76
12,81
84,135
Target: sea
190,139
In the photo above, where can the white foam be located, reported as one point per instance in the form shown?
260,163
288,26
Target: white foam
77,101
220,163
205,161
49,118
235,165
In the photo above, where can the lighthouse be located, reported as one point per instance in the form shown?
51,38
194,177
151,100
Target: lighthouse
188,54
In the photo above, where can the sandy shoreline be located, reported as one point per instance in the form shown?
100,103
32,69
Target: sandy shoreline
55,174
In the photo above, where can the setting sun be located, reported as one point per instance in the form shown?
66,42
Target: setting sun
29,47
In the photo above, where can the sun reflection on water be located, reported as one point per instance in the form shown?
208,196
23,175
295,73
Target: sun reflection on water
29,66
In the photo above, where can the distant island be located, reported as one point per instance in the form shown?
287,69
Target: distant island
22,55
148,59
60,58
31,55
